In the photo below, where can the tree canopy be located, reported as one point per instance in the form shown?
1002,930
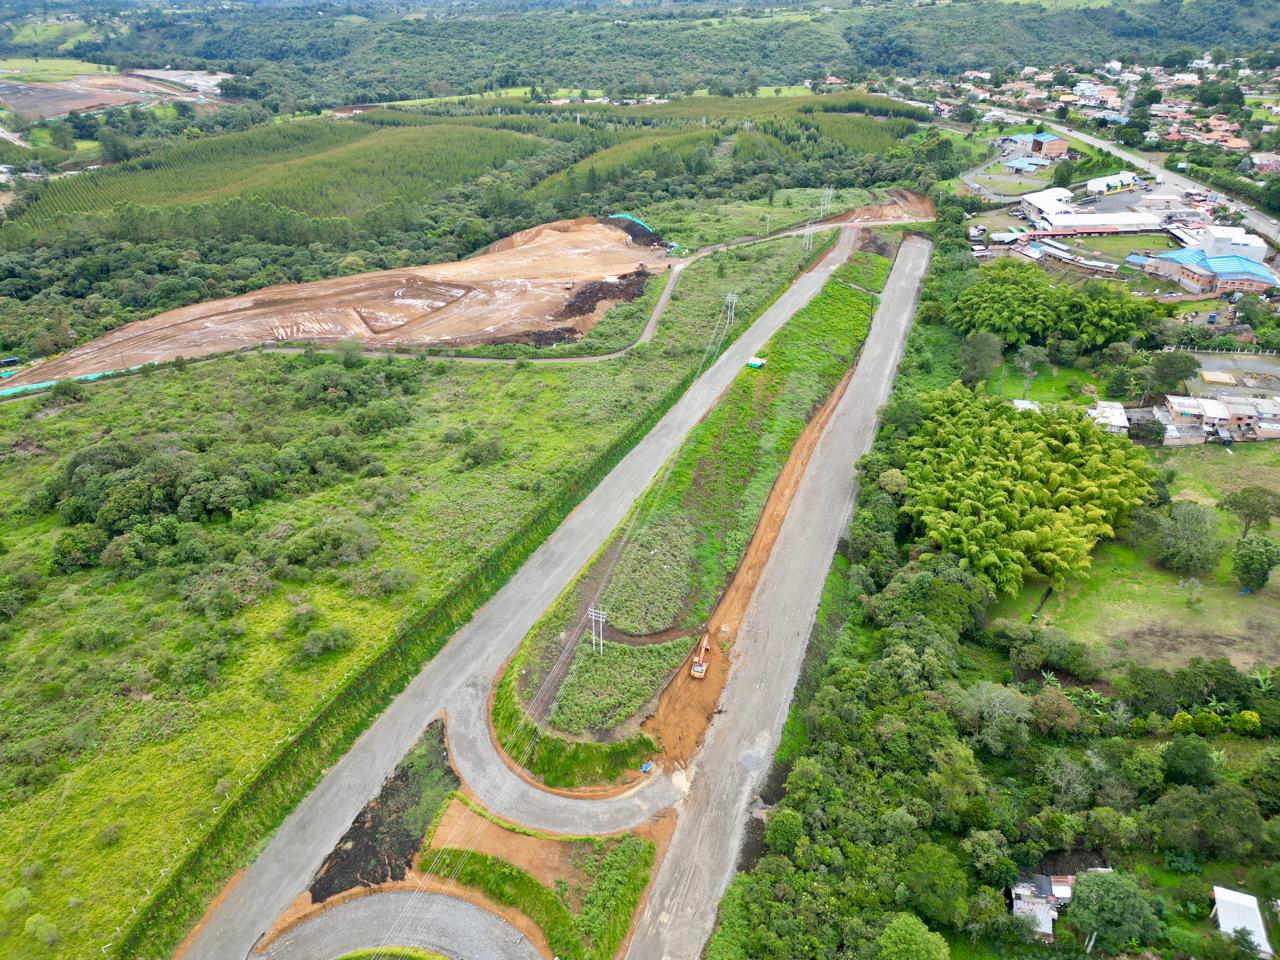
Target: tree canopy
1013,493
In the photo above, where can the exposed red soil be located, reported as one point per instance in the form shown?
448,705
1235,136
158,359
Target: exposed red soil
518,288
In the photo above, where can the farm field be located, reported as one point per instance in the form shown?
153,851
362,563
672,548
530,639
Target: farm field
49,69
319,167
1126,607
443,464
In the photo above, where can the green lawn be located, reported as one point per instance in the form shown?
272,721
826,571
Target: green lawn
1125,606
1051,384
1116,248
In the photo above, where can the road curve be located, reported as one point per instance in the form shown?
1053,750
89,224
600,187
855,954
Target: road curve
680,913
459,930
470,662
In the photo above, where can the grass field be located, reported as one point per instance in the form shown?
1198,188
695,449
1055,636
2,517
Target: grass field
321,168
1116,248
1125,606
698,223
65,33
1050,384
49,69
429,522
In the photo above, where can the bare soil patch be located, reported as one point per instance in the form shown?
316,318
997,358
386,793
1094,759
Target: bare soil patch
546,860
518,289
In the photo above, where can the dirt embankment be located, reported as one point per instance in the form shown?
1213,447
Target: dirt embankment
551,282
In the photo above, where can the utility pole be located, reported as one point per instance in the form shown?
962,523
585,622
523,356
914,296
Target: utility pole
596,617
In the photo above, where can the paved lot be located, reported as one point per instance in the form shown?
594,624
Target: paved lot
681,908
470,662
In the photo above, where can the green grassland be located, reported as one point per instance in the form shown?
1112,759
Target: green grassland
1116,248
392,953
64,33
700,223
866,270
49,69
169,696
321,168
1127,607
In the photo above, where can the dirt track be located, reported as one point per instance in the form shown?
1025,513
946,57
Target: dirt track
519,287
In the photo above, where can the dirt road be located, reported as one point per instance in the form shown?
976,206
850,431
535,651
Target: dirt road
680,912
457,680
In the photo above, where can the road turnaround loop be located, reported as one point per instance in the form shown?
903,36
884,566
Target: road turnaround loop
459,930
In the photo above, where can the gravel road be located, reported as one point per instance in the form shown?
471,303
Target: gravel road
458,930
681,908
466,667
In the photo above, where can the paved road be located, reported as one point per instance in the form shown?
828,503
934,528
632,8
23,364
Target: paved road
471,660
457,929
680,910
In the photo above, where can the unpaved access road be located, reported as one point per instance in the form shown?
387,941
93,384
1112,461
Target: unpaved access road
681,907
460,675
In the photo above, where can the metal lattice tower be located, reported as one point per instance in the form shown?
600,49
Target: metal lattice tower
746,126
828,194
597,619
808,237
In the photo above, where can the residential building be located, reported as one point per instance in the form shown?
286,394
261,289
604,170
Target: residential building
1110,416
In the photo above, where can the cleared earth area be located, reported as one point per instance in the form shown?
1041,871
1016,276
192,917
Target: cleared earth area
542,285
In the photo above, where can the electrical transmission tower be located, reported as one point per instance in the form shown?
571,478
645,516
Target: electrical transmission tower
730,305
597,619
808,237
828,194
746,126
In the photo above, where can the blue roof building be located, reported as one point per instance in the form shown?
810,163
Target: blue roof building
1200,273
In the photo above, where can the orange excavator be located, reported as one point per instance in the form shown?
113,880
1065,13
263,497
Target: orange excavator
699,668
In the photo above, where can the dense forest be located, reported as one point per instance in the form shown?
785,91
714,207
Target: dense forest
299,57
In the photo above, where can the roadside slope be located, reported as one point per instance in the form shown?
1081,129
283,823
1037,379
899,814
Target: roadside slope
680,911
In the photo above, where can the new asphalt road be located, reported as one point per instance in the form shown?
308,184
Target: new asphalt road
470,662
681,908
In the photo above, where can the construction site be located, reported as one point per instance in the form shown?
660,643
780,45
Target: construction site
547,284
